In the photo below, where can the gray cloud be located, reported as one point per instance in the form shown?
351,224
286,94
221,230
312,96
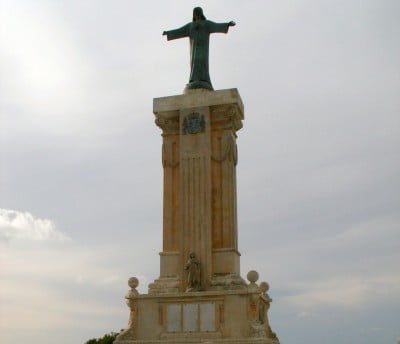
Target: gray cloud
15,225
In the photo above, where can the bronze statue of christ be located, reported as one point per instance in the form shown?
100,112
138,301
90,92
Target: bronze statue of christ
199,31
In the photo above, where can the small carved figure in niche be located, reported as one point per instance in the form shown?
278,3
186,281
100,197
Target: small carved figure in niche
193,266
199,31
263,306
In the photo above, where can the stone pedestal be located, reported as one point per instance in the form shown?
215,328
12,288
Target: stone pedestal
200,296
201,317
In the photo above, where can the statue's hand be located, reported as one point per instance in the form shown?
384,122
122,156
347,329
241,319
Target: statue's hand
232,23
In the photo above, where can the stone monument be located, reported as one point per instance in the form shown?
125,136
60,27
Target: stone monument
200,296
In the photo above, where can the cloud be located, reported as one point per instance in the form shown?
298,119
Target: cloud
49,284
16,225
349,267
305,314
346,292
49,281
43,53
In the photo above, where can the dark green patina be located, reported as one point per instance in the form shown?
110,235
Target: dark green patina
199,31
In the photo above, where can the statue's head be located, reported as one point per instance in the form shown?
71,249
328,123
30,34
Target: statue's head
264,286
198,14
192,255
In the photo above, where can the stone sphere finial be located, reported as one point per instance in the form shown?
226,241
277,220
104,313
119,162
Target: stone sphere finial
252,276
133,282
264,287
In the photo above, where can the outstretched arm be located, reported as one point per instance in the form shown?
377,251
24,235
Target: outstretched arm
177,33
219,27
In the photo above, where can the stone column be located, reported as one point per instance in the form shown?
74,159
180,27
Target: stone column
199,159
169,123
170,256
225,121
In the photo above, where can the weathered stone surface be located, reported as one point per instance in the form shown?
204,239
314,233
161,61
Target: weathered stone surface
227,282
165,285
169,107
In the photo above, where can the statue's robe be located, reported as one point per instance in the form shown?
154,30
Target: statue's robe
199,35
193,266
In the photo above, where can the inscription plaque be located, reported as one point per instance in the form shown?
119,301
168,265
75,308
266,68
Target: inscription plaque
207,317
190,317
174,318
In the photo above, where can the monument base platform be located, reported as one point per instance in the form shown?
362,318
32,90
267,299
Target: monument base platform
228,316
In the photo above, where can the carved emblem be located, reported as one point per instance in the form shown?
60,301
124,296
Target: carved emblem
194,123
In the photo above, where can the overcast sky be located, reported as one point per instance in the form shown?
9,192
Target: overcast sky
318,172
